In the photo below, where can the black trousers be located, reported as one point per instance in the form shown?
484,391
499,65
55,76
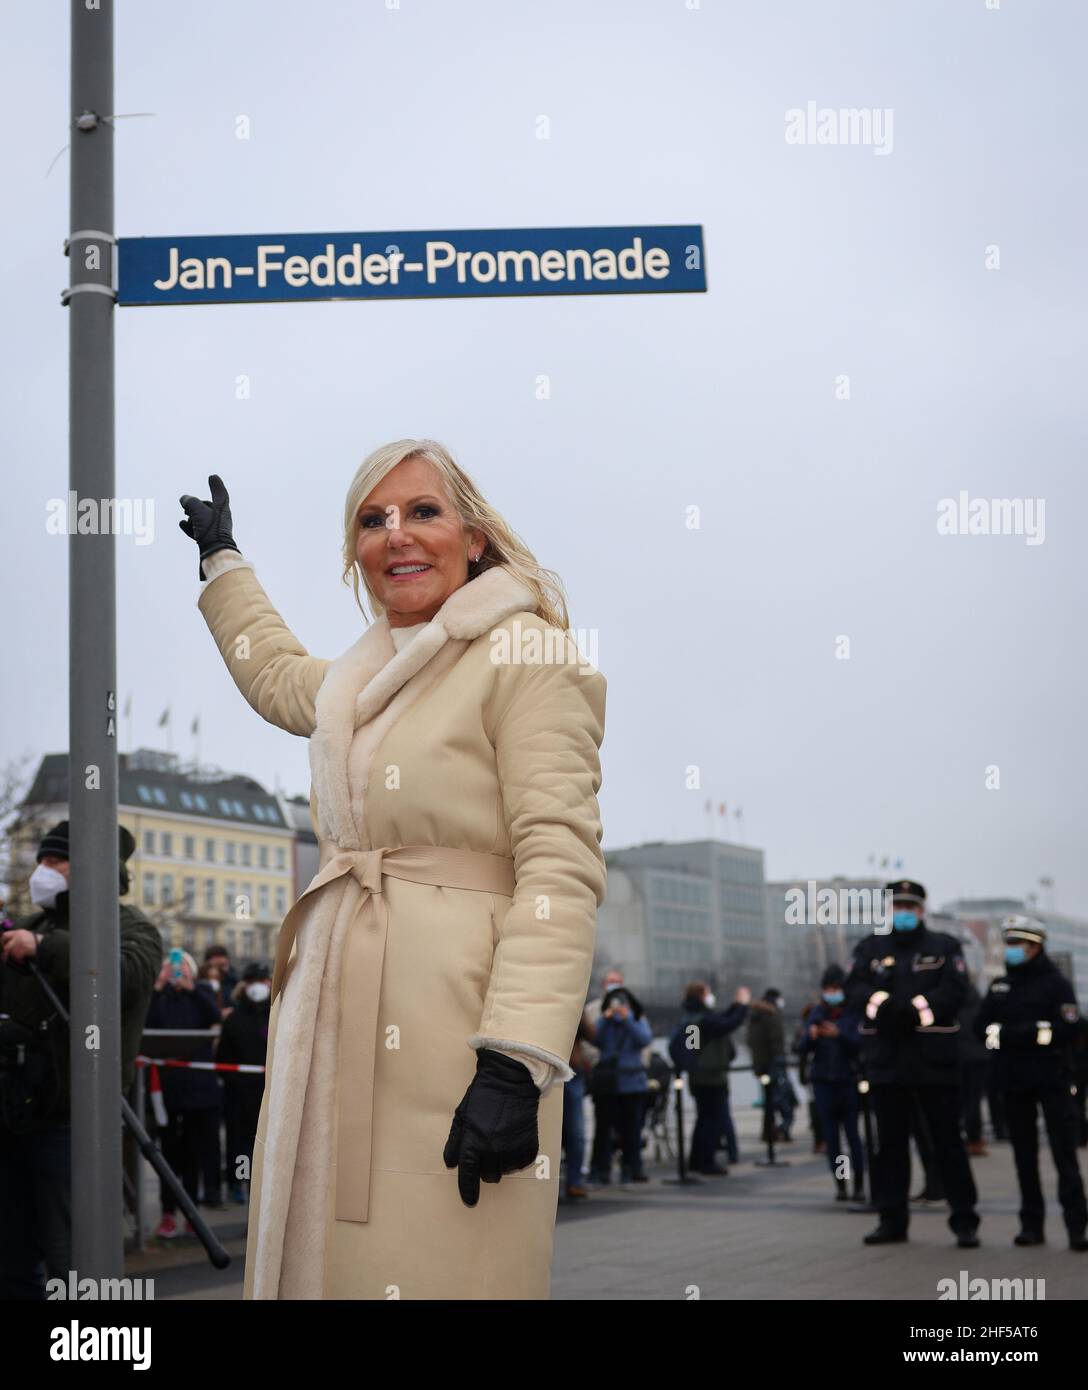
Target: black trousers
1060,1117
622,1116
190,1144
893,1106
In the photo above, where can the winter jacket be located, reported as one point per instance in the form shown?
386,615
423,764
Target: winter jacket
624,1040
182,1087
712,1043
832,1059
766,1035
22,997
1028,1057
907,989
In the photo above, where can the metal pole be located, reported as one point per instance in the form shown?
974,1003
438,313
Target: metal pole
97,1233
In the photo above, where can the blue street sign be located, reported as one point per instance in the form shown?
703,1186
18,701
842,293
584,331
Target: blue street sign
411,265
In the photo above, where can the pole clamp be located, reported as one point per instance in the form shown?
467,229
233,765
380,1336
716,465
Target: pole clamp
88,288
89,236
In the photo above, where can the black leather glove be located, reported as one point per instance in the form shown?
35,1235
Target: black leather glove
494,1128
209,523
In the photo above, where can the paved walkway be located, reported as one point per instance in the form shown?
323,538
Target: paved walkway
778,1233
765,1233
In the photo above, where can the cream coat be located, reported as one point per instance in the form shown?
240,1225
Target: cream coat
389,970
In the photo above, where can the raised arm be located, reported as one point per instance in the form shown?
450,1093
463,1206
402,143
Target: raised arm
266,661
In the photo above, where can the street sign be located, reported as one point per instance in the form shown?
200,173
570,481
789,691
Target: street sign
411,265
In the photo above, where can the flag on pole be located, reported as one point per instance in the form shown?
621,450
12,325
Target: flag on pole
164,718
196,725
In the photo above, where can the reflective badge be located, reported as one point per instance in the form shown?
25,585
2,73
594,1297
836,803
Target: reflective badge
1070,1013
1000,987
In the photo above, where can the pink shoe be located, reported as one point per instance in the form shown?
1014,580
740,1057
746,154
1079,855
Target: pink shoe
167,1228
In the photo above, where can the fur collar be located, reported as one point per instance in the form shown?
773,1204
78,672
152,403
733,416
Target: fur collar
361,682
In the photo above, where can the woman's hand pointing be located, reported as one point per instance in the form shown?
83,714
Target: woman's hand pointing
209,523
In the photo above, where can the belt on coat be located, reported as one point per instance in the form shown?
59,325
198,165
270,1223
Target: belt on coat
361,976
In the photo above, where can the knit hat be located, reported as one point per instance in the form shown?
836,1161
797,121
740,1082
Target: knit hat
833,975
55,842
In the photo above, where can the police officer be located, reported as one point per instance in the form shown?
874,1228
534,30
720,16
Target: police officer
908,986
1028,1020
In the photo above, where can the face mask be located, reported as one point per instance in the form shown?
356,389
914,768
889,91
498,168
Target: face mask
904,920
258,993
45,884
781,1003
710,1000
1015,955
833,996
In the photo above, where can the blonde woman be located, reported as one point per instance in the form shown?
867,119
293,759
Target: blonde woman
429,981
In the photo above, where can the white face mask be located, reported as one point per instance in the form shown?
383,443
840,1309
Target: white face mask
258,992
45,884
710,1000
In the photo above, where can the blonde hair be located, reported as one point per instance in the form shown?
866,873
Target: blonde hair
503,546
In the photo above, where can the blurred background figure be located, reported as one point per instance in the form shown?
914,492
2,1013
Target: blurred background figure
193,1099
974,1073
706,1035
244,1041
35,1074
831,1040
1029,1020
767,1044
621,1036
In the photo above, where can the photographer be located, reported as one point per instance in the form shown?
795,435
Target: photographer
621,1035
35,1127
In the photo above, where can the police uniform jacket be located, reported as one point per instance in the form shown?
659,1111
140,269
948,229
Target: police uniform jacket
908,988
1036,1009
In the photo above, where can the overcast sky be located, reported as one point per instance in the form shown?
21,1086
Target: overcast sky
818,514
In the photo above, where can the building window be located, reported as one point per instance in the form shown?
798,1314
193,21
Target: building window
160,796
262,900
143,793
228,852
167,842
201,801
248,936
167,890
149,890
186,800
281,858
262,856
190,847
239,809
149,842
189,891
281,901
228,896
209,895
258,812
209,851
247,855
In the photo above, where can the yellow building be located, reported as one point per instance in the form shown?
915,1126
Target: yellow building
215,853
